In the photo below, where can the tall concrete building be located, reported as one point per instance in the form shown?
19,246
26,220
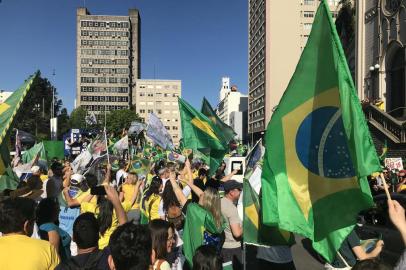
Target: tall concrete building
161,98
278,32
107,60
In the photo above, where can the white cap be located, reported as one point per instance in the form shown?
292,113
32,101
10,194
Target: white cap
76,179
35,169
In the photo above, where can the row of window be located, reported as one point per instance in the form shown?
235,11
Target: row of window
142,94
103,80
104,99
101,108
158,103
102,42
158,86
96,61
103,52
105,70
85,33
159,111
104,89
104,24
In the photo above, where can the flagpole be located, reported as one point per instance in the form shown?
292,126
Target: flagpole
107,147
244,255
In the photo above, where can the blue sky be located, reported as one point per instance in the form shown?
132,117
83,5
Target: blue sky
196,41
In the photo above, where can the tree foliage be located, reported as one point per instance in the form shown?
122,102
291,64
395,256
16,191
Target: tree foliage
35,112
345,23
117,120
77,118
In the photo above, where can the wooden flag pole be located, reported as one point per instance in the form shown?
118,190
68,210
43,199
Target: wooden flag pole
385,187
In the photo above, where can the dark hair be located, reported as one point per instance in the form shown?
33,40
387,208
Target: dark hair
156,183
206,258
47,211
14,212
86,231
371,264
169,197
131,247
57,168
202,172
91,180
34,182
159,234
105,216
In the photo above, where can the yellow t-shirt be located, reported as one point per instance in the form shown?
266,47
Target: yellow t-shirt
128,191
402,187
153,204
92,208
22,252
43,177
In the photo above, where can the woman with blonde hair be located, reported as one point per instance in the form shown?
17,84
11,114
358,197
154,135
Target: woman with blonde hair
129,192
206,214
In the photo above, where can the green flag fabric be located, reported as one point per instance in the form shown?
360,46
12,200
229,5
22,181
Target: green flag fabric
31,153
8,110
199,133
318,147
197,221
55,149
227,132
255,232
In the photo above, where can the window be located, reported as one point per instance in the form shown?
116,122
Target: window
174,128
159,111
307,26
308,2
142,94
142,111
150,111
168,127
308,14
150,94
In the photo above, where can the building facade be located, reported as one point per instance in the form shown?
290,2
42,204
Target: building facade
380,54
272,61
161,98
232,108
4,95
107,60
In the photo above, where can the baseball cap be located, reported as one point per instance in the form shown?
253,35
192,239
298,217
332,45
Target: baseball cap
76,179
232,184
35,169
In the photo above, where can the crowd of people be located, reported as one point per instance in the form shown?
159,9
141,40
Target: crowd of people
178,216
394,179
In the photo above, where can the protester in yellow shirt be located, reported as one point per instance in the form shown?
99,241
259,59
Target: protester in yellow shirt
17,249
152,198
110,213
129,193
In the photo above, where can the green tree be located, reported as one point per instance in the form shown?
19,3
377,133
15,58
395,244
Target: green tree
63,122
35,112
78,118
119,119
345,24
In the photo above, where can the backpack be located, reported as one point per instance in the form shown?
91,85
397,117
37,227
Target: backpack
175,216
91,263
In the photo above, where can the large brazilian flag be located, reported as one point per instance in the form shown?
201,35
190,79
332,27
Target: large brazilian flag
8,111
318,147
201,134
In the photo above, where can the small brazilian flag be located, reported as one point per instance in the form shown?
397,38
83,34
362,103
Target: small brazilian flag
255,232
318,147
8,111
227,132
200,133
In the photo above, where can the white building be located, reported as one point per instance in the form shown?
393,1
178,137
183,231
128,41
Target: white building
161,98
232,108
4,95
